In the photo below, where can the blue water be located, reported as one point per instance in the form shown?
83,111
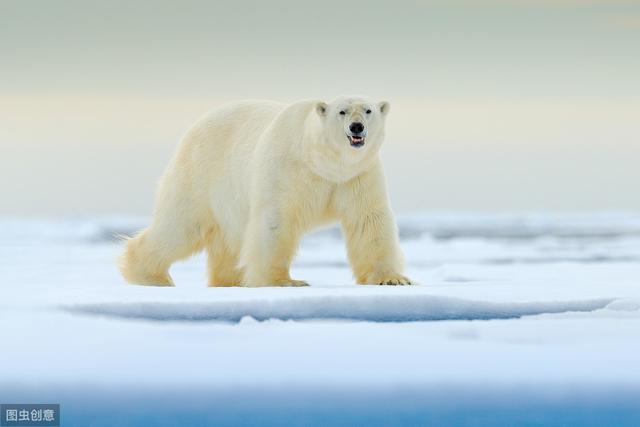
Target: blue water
446,406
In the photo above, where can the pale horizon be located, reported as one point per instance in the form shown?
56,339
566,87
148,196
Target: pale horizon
496,106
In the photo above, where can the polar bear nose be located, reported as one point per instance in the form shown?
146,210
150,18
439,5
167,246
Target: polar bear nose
356,127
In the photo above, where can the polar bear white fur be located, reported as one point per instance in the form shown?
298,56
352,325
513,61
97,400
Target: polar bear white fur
250,178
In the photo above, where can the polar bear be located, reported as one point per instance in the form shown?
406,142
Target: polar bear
250,178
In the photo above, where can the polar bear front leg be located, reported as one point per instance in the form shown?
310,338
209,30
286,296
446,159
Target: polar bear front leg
370,231
269,246
373,249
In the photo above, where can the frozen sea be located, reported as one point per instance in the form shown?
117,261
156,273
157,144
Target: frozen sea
519,320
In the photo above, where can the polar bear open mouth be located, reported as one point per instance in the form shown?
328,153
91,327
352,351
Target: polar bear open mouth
356,141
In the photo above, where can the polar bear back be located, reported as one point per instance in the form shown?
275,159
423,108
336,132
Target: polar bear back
234,129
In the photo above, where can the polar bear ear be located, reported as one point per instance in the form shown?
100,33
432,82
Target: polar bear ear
321,109
384,107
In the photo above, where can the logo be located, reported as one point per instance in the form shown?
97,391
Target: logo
18,415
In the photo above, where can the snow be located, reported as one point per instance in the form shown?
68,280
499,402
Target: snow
534,309
379,308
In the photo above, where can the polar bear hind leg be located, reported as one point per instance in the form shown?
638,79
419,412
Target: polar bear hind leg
149,255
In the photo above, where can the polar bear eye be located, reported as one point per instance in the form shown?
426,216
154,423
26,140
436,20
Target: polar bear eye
342,113
368,111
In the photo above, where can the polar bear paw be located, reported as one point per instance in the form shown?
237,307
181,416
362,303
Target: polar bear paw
293,283
277,283
394,280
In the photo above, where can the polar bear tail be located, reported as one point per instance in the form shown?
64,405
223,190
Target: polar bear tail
141,263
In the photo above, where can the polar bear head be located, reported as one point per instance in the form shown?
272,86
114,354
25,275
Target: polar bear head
353,123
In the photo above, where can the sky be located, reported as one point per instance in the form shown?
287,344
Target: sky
507,106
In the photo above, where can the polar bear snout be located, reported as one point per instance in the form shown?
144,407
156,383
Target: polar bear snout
357,134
